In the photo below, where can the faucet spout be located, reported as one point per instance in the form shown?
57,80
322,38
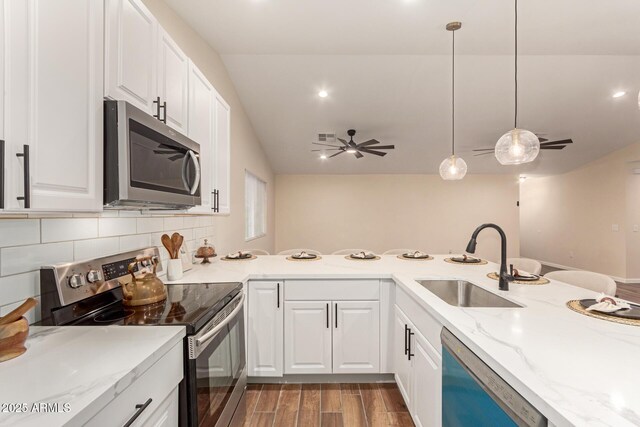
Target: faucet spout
505,277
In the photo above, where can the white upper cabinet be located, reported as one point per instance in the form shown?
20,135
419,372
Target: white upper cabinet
173,77
130,54
201,122
53,104
265,329
221,185
356,337
2,145
307,337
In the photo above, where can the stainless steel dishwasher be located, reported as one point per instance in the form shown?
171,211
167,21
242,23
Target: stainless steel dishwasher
474,395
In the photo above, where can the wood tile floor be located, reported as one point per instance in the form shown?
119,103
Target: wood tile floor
326,405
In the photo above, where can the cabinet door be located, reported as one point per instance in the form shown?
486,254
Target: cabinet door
222,156
427,383
2,145
173,76
54,103
131,33
265,329
356,337
201,130
307,337
401,361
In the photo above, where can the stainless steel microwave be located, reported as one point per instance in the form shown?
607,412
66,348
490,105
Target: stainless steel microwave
147,165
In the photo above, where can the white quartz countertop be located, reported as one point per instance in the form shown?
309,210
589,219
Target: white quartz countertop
84,367
575,369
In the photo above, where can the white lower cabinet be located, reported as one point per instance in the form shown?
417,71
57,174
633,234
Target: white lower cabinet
418,374
265,329
307,337
356,337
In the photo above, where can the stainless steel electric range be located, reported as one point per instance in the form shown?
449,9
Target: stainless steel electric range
89,293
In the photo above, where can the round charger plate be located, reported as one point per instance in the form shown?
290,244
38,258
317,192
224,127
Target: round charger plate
452,261
632,313
315,258
251,256
539,281
375,257
408,258
576,306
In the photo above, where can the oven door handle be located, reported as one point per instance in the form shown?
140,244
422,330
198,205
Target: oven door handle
212,333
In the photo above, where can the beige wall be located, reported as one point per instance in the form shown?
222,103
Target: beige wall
246,151
567,219
380,212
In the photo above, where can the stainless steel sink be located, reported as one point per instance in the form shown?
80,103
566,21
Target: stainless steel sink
465,294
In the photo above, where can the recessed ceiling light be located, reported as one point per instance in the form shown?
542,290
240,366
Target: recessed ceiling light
619,94
323,94
523,178
323,156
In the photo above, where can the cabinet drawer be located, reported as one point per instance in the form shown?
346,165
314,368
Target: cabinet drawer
428,325
332,290
155,384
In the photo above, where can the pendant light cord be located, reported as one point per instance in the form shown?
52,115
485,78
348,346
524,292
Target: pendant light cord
453,94
515,117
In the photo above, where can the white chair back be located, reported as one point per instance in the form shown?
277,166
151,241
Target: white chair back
349,251
297,251
258,252
525,264
398,251
585,279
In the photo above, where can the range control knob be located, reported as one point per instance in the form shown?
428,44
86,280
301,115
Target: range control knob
76,280
94,276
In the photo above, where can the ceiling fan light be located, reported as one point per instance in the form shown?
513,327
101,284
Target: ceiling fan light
352,150
516,147
453,168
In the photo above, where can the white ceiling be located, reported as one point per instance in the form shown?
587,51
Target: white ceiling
386,66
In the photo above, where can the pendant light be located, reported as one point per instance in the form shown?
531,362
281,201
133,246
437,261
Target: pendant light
453,167
518,145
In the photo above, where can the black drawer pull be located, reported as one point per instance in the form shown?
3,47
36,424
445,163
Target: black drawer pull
27,173
139,410
336,308
406,348
327,315
278,302
409,354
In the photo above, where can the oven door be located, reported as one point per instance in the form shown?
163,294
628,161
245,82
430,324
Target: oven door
216,375
146,162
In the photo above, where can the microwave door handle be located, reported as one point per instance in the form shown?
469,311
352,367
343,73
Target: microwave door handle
196,165
212,333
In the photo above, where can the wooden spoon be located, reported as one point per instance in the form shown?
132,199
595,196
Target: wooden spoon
18,312
176,242
167,243
179,245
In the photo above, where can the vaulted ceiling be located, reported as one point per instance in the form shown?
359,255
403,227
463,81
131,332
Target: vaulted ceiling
386,67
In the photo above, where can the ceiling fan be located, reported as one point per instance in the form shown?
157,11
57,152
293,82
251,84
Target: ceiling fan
545,144
367,147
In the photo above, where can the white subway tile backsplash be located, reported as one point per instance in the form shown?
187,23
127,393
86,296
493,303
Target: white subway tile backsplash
187,233
136,241
150,225
20,259
19,287
14,232
173,223
63,229
95,248
190,221
108,227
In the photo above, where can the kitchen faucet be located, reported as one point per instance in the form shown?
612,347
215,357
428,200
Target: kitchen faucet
505,278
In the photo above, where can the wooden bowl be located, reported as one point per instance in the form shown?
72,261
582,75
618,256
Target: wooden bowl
12,338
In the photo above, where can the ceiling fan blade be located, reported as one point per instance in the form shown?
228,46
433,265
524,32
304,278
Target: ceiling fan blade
482,154
329,149
483,149
345,143
358,155
552,147
369,142
382,147
560,142
377,153
542,139
326,145
339,152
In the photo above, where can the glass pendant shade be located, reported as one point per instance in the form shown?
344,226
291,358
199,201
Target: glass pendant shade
453,168
516,147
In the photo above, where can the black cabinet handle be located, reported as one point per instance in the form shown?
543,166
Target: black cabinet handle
409,354
406,331
327,315
216,201
278,301
1,174
27,185
164,116
336,308
139,410
157,114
